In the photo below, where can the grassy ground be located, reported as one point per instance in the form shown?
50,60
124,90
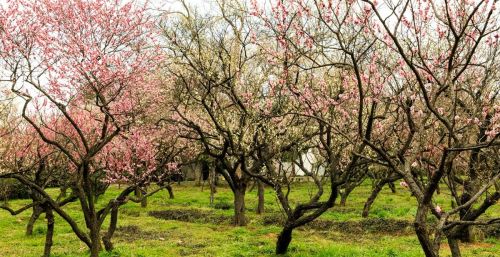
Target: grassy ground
207,231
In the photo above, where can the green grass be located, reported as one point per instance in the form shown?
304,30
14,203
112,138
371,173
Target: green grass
143,235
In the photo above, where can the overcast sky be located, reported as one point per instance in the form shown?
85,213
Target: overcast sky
174,5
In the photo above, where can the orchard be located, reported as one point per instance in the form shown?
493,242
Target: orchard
250,128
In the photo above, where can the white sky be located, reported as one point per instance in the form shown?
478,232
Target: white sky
175,5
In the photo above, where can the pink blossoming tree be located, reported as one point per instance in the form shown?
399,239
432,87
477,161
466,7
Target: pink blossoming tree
79,68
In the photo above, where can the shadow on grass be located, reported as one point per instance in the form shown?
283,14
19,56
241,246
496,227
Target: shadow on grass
364,226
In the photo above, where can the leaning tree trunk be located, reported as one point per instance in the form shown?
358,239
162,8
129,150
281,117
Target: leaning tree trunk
120,200
37,211
239,205
369,202
106,239
392,187
284,239
260,193
49,215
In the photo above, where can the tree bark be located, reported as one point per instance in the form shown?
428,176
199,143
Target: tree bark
49,215
466,234
345,194
392,187
139,193
284,239
120,200
430,250
371,199
37,211
144,201
239,206
454,247
213,188
260,193
425,241
170,192
64,190
106,239
95,246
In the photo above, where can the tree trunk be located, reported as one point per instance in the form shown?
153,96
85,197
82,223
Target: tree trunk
170,192
106,239
392,187
260,193
454,247
139,193
50,231
466,234
95,246
239,206
212,198
37,211
284,239
371,199
216,180
200,178
213,188
144,201
64,191
94,250
345,194
343,199
426,243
